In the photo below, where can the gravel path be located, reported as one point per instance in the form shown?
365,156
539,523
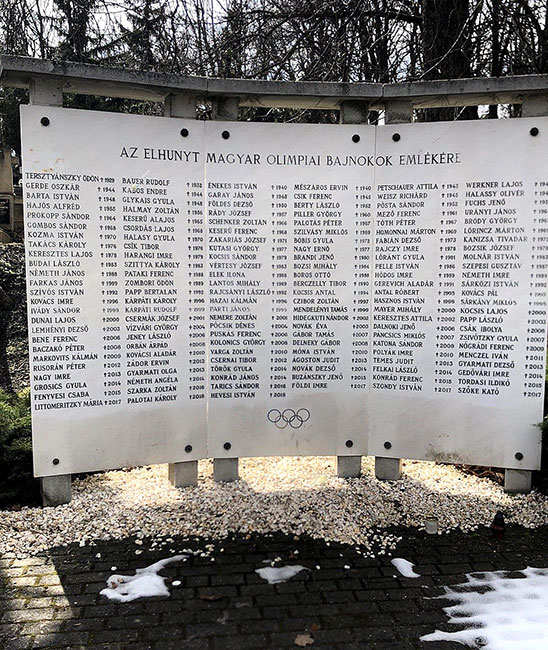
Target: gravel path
294,495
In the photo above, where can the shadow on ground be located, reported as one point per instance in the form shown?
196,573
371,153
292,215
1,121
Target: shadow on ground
350,603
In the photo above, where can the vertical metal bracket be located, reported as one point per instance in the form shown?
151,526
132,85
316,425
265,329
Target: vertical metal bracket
396,112
225,108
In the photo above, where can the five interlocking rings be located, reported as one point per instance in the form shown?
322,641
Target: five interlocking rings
288,416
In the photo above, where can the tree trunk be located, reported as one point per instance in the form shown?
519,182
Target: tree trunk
446,27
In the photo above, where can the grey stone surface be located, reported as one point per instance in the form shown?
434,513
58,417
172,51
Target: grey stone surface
354,112
180,105
56,490
349,466
44,91
388,469
398,111
114,82
226,108
535,106
225,469
183,474
517,481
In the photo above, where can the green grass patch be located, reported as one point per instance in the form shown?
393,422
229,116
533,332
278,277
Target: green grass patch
17,483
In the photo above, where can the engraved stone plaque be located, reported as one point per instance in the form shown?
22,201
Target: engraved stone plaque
229,289
114,229
459,310
289,218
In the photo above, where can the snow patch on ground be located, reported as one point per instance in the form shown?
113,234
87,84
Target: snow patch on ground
405,567
500,612
146,583
273,575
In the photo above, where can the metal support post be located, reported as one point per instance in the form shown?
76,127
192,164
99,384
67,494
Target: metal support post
55,490
395,112
352,112
185,473
225,469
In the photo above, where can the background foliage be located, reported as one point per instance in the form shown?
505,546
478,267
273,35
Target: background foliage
325,40
17,484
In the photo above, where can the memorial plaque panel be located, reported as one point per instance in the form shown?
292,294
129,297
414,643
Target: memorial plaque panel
232,289
289,218
114,229
459,304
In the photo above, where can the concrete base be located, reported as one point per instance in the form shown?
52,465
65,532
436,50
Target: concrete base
225,470
55,490
183,474
388,469
349,466
517,481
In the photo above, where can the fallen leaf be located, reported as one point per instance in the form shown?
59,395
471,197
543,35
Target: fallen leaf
210,597
303,640
314,627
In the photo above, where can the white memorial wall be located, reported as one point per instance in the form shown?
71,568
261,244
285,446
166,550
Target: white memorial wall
236,289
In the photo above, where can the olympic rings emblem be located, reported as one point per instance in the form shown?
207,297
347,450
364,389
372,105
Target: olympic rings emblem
295,419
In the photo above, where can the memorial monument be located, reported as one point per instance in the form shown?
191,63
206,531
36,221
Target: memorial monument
224,289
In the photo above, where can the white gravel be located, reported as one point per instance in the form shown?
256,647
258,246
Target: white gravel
294,495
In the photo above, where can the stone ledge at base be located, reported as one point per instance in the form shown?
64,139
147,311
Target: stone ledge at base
225,470
388,469
349,466
517,481
55,490
183,474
